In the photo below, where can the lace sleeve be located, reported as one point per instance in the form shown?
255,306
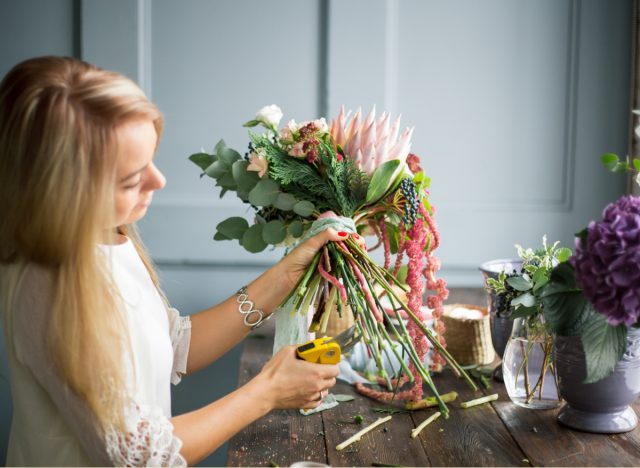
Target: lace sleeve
180,332
149,440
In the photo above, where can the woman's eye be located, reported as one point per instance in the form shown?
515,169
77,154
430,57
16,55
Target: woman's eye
132,186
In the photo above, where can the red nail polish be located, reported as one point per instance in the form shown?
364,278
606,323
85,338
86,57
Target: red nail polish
342,234
356,235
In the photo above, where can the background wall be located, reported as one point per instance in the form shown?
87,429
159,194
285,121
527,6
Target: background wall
512,102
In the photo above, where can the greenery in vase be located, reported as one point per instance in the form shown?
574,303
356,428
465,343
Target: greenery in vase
522,292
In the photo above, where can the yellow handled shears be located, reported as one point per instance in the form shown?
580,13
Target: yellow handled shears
328,350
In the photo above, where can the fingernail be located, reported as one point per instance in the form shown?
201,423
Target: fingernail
356,235
342,234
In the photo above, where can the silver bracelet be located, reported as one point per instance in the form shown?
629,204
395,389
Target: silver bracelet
252,318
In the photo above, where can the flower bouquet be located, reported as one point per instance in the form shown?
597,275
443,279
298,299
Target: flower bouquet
356,175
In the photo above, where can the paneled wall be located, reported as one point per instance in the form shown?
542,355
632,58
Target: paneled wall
512,103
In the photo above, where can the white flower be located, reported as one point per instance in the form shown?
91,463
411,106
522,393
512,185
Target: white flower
269,115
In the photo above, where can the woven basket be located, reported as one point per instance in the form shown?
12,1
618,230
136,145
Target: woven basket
468,340
337,324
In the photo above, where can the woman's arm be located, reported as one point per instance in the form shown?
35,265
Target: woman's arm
284,382
216,330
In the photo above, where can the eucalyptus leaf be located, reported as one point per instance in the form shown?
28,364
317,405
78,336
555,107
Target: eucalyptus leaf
274,232
380,180
604,346
233,228
519,283
220,146
610,160
220,237
285,202
304,208
227,181
295,228
264,193
342,397
217,169
229,156
245,180
202,160
252,239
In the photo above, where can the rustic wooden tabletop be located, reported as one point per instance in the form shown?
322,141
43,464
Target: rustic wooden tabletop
496,434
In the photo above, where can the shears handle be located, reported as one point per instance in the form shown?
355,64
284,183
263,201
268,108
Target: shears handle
320,351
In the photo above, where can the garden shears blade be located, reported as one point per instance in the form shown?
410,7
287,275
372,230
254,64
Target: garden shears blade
328,350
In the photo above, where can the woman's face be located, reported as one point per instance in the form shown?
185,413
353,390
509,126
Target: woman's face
136,176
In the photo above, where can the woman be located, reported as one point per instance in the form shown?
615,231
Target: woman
92,344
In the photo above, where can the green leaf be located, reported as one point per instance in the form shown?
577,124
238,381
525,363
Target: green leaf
621,167
245,180
402,274
565,307
251,123
264,193
604,346
610,160
380,180
228,155
202,160
526,300
285,202
295,228
304,208
219,147
519,283
523,311
219,237
563,254
343,397
233,228
636,164
274,232
217,169
393,233
252,239
227,181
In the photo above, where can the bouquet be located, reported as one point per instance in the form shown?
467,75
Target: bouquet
356,175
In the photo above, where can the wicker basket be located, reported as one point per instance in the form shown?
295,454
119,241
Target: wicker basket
468,340
337,324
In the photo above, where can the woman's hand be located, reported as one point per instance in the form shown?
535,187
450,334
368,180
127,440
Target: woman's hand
294,264
291,383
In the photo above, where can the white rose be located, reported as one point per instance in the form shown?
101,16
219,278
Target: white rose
269,115
321,125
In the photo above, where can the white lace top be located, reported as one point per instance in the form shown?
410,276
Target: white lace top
51,425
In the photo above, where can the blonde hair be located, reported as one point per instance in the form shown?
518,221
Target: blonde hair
58,118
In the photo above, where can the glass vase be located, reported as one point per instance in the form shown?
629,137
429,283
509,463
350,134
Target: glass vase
528,366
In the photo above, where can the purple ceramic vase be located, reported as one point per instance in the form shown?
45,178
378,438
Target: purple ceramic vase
603,406
500,317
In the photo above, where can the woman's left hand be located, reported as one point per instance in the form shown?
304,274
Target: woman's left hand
295,264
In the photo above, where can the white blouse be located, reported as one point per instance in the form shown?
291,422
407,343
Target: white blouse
53,426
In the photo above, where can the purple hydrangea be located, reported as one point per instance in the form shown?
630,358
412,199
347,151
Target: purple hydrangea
608,266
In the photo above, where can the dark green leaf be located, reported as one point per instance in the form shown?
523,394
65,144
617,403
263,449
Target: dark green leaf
223,191
228,155
252,239
565,307
217,169
304,208
519,283
202,160
264,193
285,202
219,147
582,235
523,311
380,180
233,228
227,181
393,233
295,228
245,180
274,232
604,346
219,237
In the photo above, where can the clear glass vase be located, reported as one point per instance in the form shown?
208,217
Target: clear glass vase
528,365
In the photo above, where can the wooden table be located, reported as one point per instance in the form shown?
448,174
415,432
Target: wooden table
496,434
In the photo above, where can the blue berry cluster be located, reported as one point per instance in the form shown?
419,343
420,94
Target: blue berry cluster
408,189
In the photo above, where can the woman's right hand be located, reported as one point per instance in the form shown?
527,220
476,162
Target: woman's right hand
292,383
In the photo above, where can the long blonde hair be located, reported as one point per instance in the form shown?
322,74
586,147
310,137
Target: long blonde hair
58,118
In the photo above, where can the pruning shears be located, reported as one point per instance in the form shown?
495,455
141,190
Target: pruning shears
328,350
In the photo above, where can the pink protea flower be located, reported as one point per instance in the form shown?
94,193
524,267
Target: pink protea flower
370,143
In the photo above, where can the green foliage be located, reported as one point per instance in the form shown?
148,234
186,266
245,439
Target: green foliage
233,228
604,346
613,163
252,239
274,232
380,181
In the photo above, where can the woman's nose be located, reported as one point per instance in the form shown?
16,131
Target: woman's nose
155,178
